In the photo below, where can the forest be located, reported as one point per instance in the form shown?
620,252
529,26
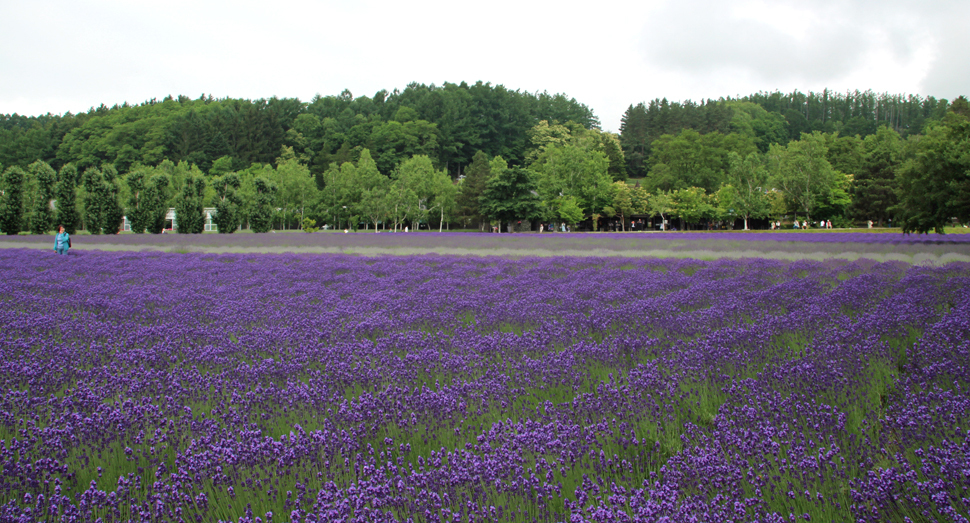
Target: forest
470,156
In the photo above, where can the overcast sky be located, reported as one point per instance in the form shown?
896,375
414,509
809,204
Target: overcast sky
59,56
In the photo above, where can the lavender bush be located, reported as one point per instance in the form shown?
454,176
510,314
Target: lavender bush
310,388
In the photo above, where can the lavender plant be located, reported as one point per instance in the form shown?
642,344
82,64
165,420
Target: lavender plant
236,387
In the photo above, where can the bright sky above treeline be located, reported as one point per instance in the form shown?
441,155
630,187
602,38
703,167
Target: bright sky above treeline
68,55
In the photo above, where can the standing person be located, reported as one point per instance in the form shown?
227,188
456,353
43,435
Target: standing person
828,224
62,242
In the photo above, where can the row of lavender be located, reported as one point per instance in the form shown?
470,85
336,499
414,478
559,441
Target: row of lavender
608,241
192,387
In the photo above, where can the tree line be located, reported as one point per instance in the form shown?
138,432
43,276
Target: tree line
471,155
448,123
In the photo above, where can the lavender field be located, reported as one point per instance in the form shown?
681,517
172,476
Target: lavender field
198,387
697,245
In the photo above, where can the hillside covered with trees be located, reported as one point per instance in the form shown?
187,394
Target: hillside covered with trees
472,154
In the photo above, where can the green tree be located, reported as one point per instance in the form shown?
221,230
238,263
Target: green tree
935,186
622,201
571,170
296,185
227,218
333,184
802,172
12,202
102,212
138,211
155,202
748,179
402,203
471,189
569,211
420,177
42,219
661,204
751,120
544,136
691,159
374,202
635,139
221,167
261,214
511,195
614,153
394,142
875,183
692,205
368,195
66,203
189,213
444,195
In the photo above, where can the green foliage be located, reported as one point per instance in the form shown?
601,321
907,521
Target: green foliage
310,225
102,212
569,211
295,183
511,195
635,139
934,185
417,184
753,121
875,183
626,200
674,145
189,213
374,190
614,153
471,189
748,179
261,215
802,171
12,201
42,218
661,204
228,216
692,205
572,170
545,136
691,159
66,199
147,203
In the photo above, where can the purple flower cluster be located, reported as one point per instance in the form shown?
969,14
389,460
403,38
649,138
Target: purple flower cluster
797,241
311,388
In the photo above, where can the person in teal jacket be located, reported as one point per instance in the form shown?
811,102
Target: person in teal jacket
62,242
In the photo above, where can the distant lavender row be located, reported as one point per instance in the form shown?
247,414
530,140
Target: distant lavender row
311,388
781,241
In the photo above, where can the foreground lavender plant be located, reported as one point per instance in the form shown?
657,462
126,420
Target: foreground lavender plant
198,387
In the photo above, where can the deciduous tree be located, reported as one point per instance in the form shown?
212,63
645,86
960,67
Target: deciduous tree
748,178
935,186
802,172
511,195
